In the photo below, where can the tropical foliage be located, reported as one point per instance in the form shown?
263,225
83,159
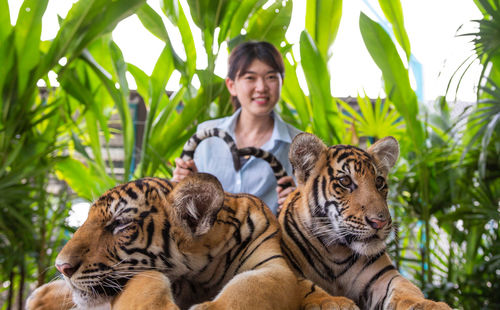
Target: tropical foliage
446,188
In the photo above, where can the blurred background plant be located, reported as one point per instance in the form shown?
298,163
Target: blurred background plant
445,188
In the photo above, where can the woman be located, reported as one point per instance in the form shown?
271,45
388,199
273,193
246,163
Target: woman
254,80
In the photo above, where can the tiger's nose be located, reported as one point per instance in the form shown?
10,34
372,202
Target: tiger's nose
66,269
375,222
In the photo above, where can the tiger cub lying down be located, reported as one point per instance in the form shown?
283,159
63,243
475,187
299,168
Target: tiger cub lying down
180,245
335,224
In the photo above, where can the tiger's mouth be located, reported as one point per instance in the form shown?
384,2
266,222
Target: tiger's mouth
101,291
350,238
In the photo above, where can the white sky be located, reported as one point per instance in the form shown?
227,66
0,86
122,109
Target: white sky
431,26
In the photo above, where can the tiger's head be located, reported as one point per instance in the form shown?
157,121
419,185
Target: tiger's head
346,191
148,224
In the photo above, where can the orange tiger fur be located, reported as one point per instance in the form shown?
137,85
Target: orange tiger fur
335,224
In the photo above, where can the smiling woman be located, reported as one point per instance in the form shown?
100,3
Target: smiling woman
255,77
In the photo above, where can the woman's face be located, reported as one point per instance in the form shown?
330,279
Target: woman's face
258,88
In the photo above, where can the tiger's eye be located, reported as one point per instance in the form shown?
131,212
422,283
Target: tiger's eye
379,182
345,181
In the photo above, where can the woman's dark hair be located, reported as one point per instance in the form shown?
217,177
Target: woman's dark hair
244,54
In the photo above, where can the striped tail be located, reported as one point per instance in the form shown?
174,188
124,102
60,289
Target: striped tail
276,166
192,143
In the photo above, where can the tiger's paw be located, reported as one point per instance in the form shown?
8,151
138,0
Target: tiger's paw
330,303
51,296
422,304
148,290
427,304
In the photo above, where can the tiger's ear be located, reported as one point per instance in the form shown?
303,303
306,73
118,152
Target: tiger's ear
386,152
304,153
196,201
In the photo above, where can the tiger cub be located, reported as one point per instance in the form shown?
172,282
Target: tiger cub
155,244
335,224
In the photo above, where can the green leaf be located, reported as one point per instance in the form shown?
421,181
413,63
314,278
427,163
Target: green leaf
189,46
127,122
86,21
208,15
226,19
68,35
394,13
152,22
86,182
325,111
396,78
27,32
171,10
5,26
241,15
270,24
293,94
142,82
121,103
161,73
7,53
322,23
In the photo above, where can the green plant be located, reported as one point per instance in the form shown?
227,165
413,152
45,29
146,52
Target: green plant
322,22
376,120
33,129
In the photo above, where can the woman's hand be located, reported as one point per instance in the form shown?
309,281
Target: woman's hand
183,169
283,193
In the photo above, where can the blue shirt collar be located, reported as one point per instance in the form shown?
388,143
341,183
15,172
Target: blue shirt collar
280,130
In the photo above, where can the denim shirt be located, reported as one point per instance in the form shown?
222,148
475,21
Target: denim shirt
255,176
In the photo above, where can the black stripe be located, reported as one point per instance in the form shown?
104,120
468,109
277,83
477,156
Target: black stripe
344,155
352,260
247,256
368,286
150,233
380,304
315,202
291,259
306,248
189,154
313,289
266,260
131,193
195,139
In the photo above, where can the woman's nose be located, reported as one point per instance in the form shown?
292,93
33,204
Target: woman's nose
261,84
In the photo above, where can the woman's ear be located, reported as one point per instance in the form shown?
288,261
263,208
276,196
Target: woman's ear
231,87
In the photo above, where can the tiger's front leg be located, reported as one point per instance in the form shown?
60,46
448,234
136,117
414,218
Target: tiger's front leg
271,287
315,298
149,290
405,296
55,295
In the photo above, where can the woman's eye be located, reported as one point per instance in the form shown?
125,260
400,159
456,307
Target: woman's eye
345,181
379,182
